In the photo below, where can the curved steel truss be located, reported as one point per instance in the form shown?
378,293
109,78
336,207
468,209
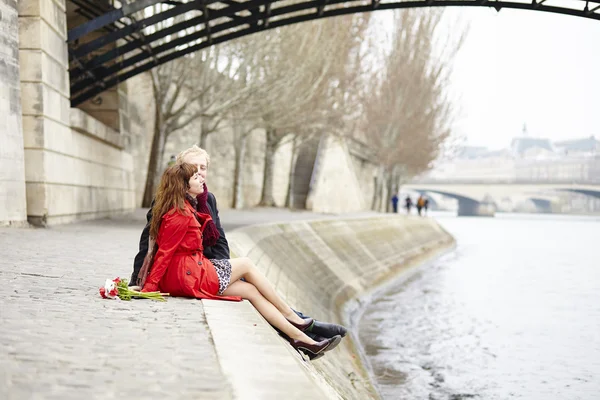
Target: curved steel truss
114,46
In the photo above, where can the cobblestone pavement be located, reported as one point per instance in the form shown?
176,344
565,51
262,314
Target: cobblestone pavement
59,339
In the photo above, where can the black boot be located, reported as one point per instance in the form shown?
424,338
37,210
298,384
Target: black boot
327,330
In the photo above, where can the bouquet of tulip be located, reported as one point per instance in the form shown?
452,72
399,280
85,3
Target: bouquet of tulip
119,289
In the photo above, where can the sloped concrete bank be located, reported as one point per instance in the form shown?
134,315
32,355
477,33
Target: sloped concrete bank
322,267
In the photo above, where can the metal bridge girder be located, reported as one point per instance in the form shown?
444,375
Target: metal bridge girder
219,21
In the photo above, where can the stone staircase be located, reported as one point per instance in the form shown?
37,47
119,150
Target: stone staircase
303,171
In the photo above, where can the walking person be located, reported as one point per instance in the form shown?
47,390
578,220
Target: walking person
408,204
420,204
395,203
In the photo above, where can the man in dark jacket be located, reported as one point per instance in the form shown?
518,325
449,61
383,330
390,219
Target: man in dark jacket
219,250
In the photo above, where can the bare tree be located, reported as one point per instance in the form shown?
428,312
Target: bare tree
201,85
296,82
336,109
276,72
252,53
167,84
409,113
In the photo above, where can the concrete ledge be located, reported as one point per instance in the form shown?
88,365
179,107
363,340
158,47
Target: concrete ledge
84,123
64,169
71,203
47,134
256,361
14,224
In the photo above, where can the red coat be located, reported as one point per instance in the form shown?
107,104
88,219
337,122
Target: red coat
180,267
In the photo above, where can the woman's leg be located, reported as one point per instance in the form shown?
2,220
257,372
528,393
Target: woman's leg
243,267
266,309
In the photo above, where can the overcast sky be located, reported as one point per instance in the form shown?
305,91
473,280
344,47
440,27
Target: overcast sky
529,67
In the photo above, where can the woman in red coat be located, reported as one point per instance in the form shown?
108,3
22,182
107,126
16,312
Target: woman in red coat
180,268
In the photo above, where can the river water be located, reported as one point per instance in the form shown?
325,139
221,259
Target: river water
512,313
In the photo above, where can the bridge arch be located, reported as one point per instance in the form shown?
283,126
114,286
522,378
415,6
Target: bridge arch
541,204
219,21
587,192
467,206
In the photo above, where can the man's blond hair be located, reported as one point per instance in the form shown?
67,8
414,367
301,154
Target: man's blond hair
194,150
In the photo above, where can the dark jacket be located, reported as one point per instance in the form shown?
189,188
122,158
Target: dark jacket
220,251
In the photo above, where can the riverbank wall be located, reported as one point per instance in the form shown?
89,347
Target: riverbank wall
323,267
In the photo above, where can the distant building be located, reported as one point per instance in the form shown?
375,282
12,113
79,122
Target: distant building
523,146
471,152
586,146
475,164
526,160
573,161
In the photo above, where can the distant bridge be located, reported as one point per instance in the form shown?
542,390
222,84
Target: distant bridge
479,198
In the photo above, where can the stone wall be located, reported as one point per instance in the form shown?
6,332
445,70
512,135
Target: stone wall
336,187
363,161
137,120
45,101
320,266
76,167
13,210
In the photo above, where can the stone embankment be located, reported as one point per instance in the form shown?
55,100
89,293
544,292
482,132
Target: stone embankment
319,266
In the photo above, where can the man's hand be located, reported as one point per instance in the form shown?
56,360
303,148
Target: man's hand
145,270
147,265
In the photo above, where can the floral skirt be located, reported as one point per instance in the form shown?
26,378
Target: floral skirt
223,268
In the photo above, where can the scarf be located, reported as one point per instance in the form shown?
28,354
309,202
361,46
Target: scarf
210,234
